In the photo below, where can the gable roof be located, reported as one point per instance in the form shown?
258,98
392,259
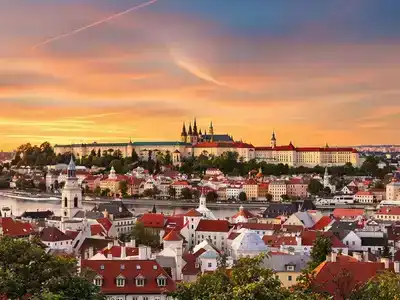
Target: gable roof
153,220
347,213
173,236
115,251
15,228
53,234
150,270
213,226
115,208
322,223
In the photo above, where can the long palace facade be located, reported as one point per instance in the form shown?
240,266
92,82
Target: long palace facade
194,142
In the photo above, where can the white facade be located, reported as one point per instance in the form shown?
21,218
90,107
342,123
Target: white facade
393,191
232,192
277,189
218,239
71,199
247,243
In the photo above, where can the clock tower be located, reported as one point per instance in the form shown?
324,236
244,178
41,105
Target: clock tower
71,199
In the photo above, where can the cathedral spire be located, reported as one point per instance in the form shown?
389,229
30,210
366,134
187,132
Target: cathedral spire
195,128
190,132
184,130
71,170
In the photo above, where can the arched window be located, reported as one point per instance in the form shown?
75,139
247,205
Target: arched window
76,201
65,202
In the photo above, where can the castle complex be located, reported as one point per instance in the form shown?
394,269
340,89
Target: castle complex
194,142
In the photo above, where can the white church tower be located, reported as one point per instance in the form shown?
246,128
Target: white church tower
326,178
71,199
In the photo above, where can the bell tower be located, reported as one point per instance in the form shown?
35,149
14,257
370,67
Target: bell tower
71,199
273,140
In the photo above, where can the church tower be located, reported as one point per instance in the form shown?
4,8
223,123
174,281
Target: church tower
190,133
273,140
326,178
71,199
211,132
184,134
195,137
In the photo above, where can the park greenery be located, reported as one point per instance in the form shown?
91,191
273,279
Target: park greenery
28,272
229,163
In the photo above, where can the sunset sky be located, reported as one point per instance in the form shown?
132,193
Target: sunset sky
315,71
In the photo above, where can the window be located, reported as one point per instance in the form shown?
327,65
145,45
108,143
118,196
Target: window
102,267
120,282
139,281
76,202
65,202
161,281
145,298
209,265
290,268
98,281
120,298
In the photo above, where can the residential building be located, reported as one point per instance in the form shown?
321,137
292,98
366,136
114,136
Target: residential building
393,191
131,279
391,213
179,186
250,187
297,188
55,239
216,231
364,197
277,189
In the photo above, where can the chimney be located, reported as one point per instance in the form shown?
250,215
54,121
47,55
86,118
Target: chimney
91,252
109,246
298,240
132,243
396,266
109,255
333,256
385,261
143,255
328,257
366,256
123,252
357,256
116,242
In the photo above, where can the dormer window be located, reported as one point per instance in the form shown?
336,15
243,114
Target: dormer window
98,280
120,281
289,268
139,280
161,281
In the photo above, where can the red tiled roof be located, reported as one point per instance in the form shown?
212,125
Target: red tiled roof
15,228
153,220
359,273
115,251
213,225
322,223
305,149
277,241
149,269
233,235
223,145
190,267
193,213
259,226
347,212
243,213
292,228
392,210
96,229
53,234
106,223
308,238
181,183
72,234
173,236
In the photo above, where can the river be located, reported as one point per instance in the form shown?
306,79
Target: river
19,206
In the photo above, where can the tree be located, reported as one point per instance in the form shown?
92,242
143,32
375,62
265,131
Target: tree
246,280
172,192
117,164
314,187
148,193
134,156
42,186
269,197
285,198
26,269
97,191
384,286
144,236
211,196
322,246
327,191
242,196
186,193
123,187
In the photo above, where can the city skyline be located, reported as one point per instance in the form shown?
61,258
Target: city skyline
88,70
